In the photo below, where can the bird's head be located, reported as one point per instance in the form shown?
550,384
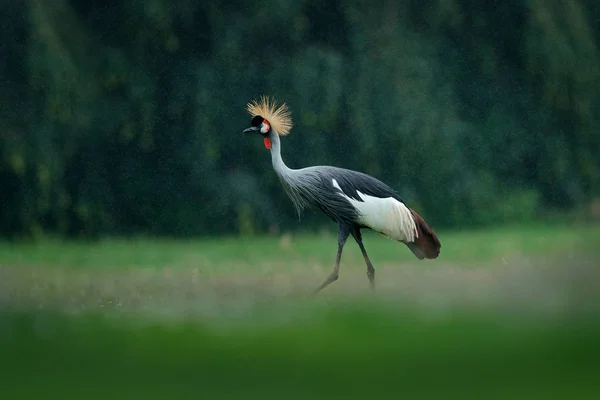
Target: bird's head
268,119
259,125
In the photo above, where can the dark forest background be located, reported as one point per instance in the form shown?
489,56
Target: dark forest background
125,117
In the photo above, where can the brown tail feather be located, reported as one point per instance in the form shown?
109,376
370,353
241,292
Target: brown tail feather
427,244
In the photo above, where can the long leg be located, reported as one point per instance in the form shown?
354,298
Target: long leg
370,270
343,232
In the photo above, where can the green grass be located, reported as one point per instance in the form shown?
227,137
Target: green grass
350,354
503,313
219,254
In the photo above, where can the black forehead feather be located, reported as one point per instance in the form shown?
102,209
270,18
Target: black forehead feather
257,120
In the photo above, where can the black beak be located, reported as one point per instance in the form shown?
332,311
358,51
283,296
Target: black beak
252,129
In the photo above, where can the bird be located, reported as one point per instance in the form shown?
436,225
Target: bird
354,200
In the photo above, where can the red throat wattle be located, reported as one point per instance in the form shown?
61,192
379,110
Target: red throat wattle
267,143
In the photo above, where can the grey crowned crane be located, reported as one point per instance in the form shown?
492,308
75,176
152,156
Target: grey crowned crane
352,199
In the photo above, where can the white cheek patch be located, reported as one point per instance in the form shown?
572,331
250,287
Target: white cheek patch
265,127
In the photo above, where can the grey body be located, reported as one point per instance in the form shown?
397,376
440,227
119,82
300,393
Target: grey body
352,199
313,187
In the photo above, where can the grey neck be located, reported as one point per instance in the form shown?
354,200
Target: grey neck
287,176
278,164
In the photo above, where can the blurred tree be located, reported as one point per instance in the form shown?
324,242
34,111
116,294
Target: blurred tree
124,117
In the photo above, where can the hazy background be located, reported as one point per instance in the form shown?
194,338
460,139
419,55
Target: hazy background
122,117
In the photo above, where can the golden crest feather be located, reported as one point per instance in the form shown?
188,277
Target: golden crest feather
280,117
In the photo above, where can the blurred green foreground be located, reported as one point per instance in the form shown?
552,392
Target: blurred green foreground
340,352
503,314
